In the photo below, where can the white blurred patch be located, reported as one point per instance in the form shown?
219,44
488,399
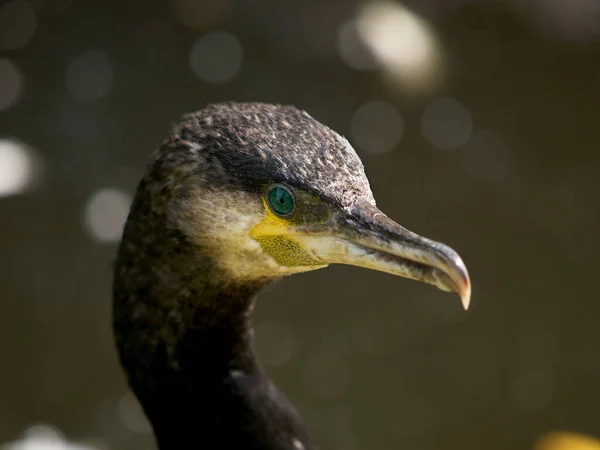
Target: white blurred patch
402,42
377,127
11,83
352,49
17,24
90,76
105,214
216,57
18,167
44,437
446,124
132,415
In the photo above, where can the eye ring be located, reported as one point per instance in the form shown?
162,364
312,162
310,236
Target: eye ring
280,200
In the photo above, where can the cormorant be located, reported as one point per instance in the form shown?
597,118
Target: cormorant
238,196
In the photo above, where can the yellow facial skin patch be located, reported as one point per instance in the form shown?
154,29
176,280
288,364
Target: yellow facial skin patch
275,236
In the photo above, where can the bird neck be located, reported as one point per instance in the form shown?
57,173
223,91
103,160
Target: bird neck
184,339
192,390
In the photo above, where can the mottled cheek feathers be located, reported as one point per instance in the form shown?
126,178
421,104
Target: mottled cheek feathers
253,235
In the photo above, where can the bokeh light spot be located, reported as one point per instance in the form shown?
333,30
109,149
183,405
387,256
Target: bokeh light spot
11,84
377,127
44,437
216,57
352,49
105,214
566,440
132,415
90,76
402,42
446,124
17,24
17,167
44,431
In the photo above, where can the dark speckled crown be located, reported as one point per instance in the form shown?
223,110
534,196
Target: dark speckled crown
247,145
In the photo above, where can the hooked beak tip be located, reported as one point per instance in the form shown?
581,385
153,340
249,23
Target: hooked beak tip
464,286
465,296
451,275
462,282
367,238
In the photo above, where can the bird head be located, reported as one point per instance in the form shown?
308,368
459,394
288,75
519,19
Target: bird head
268,191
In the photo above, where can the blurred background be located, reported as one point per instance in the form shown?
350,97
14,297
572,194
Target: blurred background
477,122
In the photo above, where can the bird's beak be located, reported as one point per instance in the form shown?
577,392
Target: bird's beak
367,238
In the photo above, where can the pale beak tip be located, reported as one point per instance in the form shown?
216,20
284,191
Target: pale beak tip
465,297
456,279
462,283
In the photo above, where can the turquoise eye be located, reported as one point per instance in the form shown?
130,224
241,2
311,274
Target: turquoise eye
281,200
